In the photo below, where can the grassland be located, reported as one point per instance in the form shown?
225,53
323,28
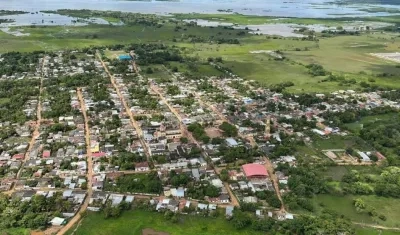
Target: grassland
133,222
16,231
340,142
372,231
357,126
343,205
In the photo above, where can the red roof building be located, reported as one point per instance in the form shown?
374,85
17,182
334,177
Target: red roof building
99,154
46,153
18,156
255,171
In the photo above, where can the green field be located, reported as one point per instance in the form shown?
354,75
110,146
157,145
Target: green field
357,126
133,222
372,231
16,231
340,142
343,205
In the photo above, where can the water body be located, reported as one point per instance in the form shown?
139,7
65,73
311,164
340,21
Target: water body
284,8
288,30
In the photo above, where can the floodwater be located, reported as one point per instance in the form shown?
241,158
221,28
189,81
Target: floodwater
284,8
288,30
277,8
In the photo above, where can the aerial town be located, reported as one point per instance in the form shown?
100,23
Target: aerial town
174,144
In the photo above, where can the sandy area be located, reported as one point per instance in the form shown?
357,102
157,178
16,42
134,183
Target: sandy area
149,231
213,132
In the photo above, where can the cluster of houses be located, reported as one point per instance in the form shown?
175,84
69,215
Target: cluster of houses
158,140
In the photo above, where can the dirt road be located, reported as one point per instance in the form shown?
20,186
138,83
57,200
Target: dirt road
89,174
35,133
275,181
127,108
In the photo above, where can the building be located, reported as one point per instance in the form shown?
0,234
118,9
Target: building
142,166
255,171
231,142
124,57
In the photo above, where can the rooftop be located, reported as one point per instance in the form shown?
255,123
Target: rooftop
254,170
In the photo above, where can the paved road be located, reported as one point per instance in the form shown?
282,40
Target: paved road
89,175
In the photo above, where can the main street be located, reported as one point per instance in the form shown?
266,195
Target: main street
126,106
89,174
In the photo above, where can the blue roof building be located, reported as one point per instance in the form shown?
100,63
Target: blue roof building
125,57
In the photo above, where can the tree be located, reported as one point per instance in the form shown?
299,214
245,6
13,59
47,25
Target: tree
240,219
149,70
224,175
184,140
84,186
228,129
359,204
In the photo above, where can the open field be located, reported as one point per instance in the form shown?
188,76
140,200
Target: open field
343,205
357,126
372,231
16,231
341,142
133,222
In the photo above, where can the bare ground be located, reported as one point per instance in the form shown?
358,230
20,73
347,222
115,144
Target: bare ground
149,231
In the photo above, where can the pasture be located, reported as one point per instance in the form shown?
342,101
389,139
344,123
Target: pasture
134,221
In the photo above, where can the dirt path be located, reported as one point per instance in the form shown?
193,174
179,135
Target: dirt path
89,174
275,181
35,133
377,226
127,108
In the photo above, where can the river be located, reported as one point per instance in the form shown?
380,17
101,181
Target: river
283,8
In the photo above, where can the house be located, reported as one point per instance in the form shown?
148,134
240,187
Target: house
196,174
229,211
142,166
231,142
250,199
116,199
46,154
168,204
179,192
364,157
224,198
202,206
57,221
259,214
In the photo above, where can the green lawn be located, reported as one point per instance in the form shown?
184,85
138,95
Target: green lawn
133,222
